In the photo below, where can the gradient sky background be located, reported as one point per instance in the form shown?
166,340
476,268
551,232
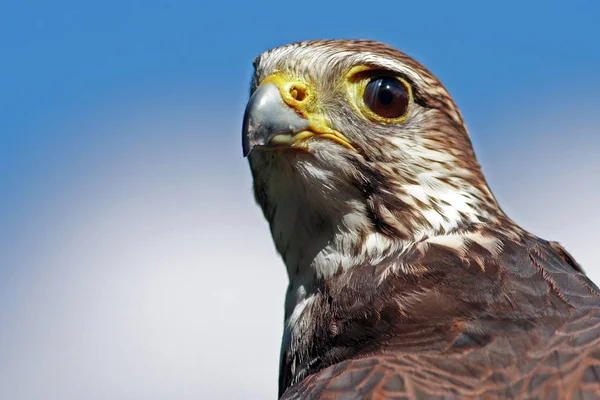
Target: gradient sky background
133,261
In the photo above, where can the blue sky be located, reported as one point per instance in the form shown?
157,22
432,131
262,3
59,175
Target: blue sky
62,57
133,262
67,59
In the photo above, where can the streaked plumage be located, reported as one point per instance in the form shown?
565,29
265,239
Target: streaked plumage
406,278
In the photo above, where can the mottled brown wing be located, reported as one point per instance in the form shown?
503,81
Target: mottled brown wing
531,331
564,365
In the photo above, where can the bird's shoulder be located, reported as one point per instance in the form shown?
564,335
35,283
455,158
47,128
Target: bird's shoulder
458,319
552,364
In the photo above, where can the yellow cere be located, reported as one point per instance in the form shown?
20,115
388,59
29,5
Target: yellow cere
299,95
294,92
357,80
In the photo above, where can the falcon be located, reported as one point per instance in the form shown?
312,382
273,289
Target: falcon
406,279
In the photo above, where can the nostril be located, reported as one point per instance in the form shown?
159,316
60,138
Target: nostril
298,93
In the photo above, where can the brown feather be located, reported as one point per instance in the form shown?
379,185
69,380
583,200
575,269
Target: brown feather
530,330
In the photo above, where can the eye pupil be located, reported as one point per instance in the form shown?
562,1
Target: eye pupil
387,97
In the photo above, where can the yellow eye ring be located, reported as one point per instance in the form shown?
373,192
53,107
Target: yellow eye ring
359,78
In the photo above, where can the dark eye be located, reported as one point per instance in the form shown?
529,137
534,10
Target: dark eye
387,97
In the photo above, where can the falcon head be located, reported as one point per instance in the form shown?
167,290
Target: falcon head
357,150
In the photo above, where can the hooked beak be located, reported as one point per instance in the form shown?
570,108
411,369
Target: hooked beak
276,116
268,120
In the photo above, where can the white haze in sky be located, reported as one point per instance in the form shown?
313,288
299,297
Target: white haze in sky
149,273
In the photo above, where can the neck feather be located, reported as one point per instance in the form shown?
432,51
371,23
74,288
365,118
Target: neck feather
326,237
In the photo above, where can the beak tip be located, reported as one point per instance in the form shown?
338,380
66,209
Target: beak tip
246,146
246,134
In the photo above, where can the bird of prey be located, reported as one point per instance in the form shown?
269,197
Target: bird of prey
406,279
